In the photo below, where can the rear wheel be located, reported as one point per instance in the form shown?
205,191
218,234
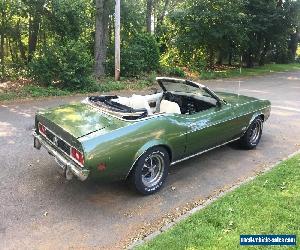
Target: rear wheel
150,171
253,134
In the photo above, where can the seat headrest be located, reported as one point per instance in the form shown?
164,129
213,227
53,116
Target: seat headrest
169,107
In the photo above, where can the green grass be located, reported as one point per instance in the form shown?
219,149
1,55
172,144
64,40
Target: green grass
266,69
32,91
270,204
108,84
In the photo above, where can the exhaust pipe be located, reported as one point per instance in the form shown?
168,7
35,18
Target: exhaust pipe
69,174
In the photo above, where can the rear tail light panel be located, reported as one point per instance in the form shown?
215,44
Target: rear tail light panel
42,129
74,154
77,156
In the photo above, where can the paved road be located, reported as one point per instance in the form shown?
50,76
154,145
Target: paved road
40,210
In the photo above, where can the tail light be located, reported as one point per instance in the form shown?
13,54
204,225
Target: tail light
77,156
42,129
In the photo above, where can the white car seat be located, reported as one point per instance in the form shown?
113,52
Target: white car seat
139,102
169,107
123,100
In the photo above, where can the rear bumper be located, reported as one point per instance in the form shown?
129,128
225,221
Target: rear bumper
66,167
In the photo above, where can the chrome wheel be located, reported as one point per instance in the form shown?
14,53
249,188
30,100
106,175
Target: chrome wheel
255,131
153,169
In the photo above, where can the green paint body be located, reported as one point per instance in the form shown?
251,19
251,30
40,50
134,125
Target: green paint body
118,143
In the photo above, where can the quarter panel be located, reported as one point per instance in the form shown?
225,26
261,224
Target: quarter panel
119,148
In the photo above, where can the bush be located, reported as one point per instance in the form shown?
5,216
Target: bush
173,71
67,65
140,55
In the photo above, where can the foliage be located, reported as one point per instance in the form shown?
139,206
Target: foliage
172,71
205,28
219,225
68,66
193,34
108,84
139,55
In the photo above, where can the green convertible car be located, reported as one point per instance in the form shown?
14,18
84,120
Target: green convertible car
137,138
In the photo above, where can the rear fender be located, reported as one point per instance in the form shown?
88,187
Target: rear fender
146,147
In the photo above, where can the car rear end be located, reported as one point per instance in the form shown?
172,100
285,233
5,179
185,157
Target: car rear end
59,129
65,148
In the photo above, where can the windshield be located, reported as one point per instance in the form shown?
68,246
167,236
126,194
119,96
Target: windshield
181,86
186,87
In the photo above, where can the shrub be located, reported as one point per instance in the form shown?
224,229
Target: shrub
173,71
139,55
67,65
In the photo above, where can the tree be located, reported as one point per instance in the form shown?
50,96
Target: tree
208,27
149,15
101,36
35,15
2,29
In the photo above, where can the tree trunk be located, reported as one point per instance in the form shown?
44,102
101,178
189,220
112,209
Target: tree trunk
34,27
12,55
263,54
220,58
149,15
117,40
2,44
20,43
101,35
163,14
249,60
211,58
230,58
293,44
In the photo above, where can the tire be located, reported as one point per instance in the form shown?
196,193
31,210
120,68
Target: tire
253,134
147,181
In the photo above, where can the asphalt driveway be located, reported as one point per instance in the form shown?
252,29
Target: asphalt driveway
40,210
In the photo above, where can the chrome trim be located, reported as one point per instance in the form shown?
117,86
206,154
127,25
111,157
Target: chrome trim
81,174
183,159
64,142
178,80
217,123
202,152
132,166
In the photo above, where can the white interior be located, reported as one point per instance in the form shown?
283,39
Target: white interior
144,101
169,107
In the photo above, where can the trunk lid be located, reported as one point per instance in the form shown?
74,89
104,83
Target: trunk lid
76,120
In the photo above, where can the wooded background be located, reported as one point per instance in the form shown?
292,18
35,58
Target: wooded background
71,42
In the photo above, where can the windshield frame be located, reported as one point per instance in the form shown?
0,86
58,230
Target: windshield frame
197,85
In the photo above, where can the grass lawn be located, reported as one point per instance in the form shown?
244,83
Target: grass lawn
105,85
266,69
108,84
270,204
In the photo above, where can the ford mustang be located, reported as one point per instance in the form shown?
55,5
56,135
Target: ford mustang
138,138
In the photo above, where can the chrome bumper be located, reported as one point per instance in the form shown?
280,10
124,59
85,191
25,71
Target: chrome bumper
66,167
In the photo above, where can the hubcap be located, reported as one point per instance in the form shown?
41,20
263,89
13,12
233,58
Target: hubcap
153,170
255,131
